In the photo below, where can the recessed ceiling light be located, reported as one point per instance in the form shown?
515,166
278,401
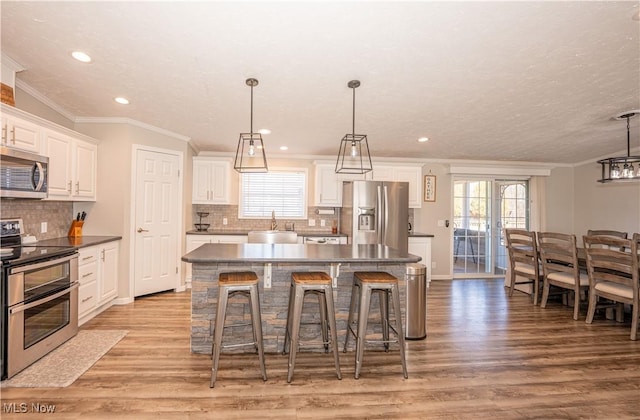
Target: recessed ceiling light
284,148
264,131
423,139
121,100
80,56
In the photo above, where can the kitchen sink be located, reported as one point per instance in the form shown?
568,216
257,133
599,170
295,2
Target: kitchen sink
272,237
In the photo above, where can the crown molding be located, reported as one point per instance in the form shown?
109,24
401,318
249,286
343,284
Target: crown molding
12,64
48,102
130,121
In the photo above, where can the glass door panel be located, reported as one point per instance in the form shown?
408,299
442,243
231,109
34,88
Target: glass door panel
482,209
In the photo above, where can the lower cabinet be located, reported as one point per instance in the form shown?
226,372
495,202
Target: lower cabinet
194,241
421,246
98,277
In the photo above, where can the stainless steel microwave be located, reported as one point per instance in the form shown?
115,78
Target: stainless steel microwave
22,174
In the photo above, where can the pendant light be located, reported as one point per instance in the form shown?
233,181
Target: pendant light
354,156
250,155
616,169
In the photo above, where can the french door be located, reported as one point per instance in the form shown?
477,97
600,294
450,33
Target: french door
483,208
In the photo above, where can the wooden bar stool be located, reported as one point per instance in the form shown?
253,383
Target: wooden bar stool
364,284
244,283
318,283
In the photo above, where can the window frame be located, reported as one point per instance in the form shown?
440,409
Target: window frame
305,203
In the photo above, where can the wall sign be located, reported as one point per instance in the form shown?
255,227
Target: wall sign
429,188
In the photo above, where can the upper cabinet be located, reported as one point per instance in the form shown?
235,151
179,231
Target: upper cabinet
72,167
211,180
328,184
20,133
73,157
410,174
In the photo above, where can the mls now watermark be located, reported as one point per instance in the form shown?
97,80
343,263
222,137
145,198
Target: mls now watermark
23,408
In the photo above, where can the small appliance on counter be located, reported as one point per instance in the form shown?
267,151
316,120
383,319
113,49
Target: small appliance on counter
202,227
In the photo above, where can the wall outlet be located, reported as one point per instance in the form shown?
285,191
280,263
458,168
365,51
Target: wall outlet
312,222
440,223
43,227
323,222
224,221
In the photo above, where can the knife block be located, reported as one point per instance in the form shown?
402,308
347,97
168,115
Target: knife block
75,231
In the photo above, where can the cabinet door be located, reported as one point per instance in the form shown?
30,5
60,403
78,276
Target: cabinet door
202,176
229,239
421,247
58,148
328,187
22,134
85,168
109,271
383,173
412,175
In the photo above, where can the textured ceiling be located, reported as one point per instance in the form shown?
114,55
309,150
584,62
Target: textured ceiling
525,81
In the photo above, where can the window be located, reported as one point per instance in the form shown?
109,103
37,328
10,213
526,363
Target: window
283,191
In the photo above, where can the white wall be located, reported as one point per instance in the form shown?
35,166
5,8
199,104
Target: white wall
559,201
614,206
111,214
28,103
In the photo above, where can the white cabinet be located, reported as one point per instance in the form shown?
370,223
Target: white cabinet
72,167
211,181
421,246
328,184
88,278
98,277
411,174
195,241
20,133
108,274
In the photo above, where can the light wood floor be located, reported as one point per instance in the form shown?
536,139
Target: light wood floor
486,356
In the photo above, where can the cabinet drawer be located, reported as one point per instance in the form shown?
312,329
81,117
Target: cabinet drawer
87,297
87,256
88,272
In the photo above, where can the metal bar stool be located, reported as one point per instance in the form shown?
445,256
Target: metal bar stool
245,283
318,283
364,284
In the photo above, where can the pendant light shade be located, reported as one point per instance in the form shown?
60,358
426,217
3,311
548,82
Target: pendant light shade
250,156
624,168
354,156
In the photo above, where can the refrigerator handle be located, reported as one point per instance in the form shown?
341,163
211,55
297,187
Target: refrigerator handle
386,215
379,211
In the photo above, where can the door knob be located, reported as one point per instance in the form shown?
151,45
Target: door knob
140,230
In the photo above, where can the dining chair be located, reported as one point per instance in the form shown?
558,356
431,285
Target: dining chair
612,265
523,260
615,233
559,256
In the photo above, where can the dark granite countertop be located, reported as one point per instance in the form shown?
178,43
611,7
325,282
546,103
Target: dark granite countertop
297,253
80,242
420,235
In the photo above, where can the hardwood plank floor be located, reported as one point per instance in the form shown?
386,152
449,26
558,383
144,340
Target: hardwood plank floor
486,356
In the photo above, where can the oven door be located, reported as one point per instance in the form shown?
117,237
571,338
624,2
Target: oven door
37,327
42,310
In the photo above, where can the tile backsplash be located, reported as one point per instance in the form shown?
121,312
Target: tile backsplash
57,214
230,212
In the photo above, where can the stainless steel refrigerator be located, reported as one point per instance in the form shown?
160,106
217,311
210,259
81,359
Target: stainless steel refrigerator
375,212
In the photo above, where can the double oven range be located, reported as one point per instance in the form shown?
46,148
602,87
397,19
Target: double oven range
39,297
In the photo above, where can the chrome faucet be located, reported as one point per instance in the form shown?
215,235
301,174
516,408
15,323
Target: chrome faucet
274,224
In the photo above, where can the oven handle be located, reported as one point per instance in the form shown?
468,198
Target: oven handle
23,307
44,264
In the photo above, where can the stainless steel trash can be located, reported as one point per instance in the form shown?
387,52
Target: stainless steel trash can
416,309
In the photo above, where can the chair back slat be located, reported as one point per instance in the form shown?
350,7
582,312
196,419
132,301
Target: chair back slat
558,252
612,260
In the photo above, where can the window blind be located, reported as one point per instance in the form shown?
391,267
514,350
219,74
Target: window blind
280,191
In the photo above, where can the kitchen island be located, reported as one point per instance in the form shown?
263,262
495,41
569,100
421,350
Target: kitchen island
273,263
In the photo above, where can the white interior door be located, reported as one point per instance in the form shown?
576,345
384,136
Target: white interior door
156,222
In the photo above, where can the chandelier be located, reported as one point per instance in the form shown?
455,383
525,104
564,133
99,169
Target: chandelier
622,168
354,156
250,155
